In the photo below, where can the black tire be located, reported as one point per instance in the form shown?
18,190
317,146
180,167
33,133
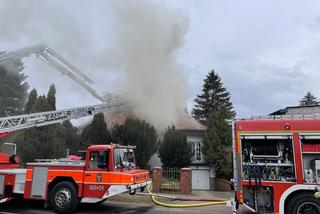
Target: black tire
63,197
304,203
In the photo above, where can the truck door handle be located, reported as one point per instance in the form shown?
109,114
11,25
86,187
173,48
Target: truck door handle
88,174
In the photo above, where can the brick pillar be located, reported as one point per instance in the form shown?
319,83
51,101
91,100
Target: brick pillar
186,180
156,179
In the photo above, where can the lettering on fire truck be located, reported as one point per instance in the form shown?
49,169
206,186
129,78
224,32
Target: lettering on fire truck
96,187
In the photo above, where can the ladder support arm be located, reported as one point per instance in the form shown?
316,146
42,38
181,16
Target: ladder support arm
56,61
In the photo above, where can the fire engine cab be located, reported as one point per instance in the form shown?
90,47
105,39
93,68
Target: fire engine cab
277,164
107,170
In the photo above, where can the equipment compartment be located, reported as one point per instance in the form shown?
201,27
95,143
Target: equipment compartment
310,145
267,158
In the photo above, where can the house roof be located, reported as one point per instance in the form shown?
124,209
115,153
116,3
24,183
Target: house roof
185,120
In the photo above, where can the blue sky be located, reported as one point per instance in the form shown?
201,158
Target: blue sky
266,52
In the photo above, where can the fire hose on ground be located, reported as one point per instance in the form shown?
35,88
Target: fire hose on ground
153,197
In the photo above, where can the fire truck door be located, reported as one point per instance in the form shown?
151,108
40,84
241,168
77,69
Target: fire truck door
96,175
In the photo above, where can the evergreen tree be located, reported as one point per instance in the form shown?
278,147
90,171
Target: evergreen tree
13,92
41,142
13,88
308,99
174,150
96,133
140,134
217,141
32,98
213,95
51,97
72,140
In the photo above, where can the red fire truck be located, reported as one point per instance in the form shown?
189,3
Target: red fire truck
107,170
277,164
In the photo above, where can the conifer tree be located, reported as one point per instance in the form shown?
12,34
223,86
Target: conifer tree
217,141
96,133
13,92
213,95
140,134
72,140
308,99
32,98
174,150
41,142
13,88
51,97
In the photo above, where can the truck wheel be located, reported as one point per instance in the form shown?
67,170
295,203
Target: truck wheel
304,203
63,197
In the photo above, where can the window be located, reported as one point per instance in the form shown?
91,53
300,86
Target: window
198,151
124,158
196,148
99,160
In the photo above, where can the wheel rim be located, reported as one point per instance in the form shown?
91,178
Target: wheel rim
308,208
62,198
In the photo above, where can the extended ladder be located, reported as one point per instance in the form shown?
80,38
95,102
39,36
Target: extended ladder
14,123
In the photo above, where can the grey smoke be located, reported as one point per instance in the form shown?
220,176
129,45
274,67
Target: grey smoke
148,38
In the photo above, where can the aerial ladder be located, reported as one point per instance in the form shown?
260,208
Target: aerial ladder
52,58
25,121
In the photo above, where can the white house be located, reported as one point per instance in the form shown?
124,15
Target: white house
202,174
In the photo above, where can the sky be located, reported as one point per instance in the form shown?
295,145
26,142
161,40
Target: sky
266,52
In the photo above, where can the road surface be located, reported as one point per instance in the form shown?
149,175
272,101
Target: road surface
111,207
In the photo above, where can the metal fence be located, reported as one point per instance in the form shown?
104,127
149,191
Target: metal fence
170,180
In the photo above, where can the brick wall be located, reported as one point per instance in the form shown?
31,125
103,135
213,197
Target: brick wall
186,181
156,179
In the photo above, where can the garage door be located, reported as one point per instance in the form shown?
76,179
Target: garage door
200,179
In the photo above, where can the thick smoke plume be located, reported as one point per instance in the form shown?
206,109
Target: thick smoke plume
148,36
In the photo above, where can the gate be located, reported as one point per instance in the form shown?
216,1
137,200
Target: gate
171,180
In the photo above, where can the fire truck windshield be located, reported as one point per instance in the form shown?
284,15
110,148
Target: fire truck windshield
124,158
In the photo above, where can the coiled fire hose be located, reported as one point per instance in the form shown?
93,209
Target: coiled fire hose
153,197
